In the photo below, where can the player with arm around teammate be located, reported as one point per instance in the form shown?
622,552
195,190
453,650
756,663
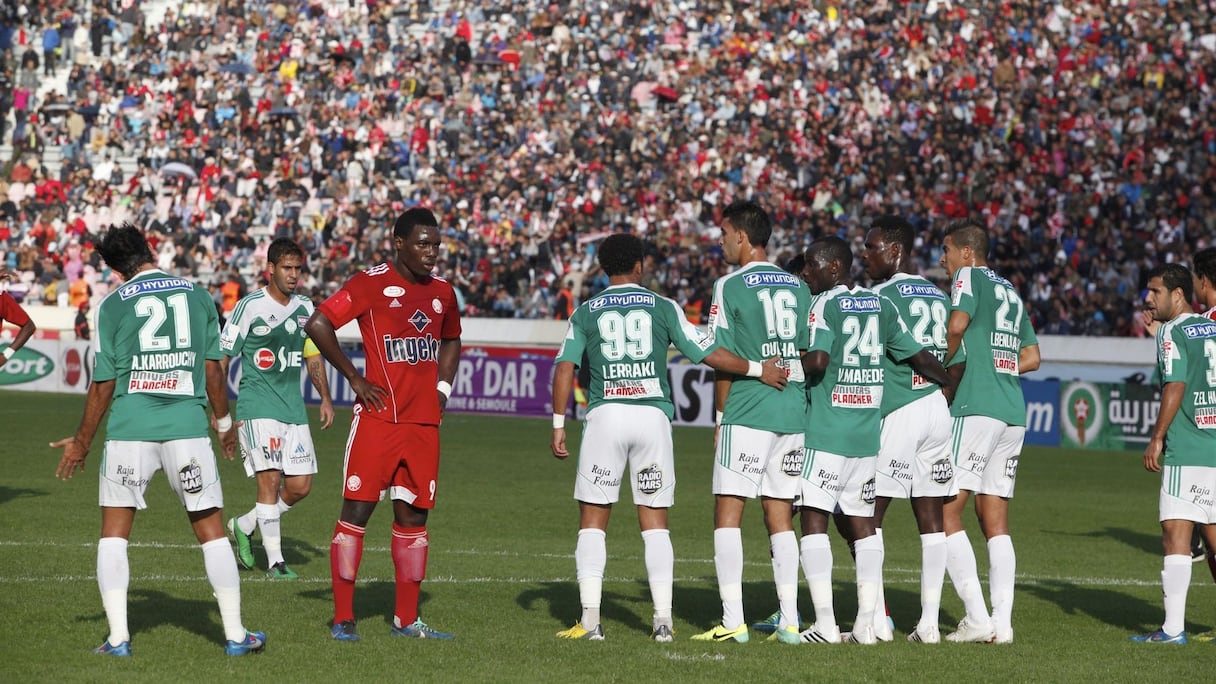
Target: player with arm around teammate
157,357
990,338
626,331
410,325
914,446
851,331
266,329
1185,434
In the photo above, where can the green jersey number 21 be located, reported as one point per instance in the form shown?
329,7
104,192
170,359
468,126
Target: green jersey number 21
153,309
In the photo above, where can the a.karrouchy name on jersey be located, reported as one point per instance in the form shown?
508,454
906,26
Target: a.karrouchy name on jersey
154,335
1186,353
861,334
403,325
625,332
759,312
998,329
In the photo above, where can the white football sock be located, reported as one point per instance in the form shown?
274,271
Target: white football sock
282,506
869,576
783,547
817,565
226,584
590,557
932,576
660,571
113,578
1175,580
1002,567
728,561
268,524
880,600
960,562
249,521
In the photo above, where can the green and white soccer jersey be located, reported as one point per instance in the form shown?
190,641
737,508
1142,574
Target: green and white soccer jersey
625,331
154,335
924,310
1186,353
856,328
269,338
998,331
758,313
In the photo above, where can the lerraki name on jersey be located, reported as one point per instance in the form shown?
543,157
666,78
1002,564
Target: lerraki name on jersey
165,361
623,300
411,350
615,371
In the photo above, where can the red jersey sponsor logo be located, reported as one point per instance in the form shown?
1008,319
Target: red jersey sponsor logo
411,350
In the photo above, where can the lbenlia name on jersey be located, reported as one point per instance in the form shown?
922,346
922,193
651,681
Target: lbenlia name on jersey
411,350
1005,348
857,396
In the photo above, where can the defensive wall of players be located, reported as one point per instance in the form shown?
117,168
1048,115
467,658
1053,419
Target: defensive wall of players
1079,398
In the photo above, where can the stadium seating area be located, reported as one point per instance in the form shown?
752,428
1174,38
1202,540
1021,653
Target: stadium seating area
1081,132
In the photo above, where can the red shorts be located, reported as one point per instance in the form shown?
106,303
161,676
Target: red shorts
402,458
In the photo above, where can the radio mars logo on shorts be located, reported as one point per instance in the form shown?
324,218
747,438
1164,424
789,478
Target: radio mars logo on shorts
868,490
650,479
942,471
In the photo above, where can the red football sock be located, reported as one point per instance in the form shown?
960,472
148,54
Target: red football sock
345,553
410,545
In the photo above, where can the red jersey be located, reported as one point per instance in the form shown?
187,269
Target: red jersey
1210,314
11,311
402,324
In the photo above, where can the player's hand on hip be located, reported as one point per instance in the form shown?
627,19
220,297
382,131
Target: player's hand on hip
228,443
370,395
774,373
74,452
558,443
1152,456
327,414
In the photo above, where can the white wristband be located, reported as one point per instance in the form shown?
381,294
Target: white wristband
223,424
445,388
559,421
717,417
754,369
8,352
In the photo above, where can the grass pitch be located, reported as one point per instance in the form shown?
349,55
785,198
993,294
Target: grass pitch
501,577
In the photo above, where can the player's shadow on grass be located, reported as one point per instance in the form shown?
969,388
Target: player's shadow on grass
8,494
565,607
1110,607
375,601
1141,541
147,610
301,553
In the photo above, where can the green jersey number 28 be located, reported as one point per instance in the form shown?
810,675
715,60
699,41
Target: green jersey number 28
929,314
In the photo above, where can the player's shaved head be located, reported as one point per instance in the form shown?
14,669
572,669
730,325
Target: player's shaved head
969,233
896,230
825,250
125,249
619,253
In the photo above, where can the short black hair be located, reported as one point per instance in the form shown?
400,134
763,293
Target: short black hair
896,230
282,247
417,216
1205,264
795,264
831,248
969,233
125,249
749,217
1175,277
619,253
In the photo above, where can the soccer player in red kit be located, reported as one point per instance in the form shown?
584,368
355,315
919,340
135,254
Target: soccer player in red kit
410,325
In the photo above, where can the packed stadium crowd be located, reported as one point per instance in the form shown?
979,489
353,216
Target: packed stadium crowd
1081,133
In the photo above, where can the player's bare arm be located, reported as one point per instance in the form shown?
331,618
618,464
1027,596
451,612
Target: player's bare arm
23,336
955,327
217,396
316,375
771,373
322,333
1028,359
925,363
563,384
449,361
76,447
956,376
815,364
1171,401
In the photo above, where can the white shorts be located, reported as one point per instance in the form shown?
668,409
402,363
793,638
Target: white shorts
914,456
126,468
831,482
619,437
268,444
986,454
1187,494
752,463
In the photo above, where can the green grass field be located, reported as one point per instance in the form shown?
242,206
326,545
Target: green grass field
501,577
